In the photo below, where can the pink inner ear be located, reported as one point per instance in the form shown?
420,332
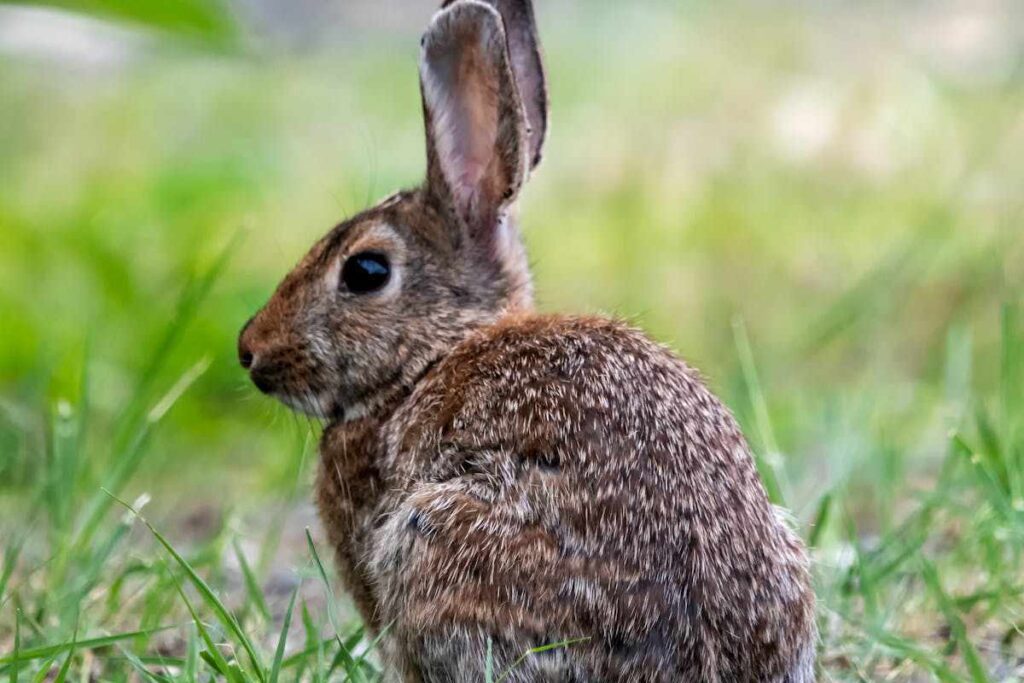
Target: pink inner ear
463,73
472,131
472,173
467,129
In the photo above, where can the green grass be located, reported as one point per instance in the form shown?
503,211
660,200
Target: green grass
853,293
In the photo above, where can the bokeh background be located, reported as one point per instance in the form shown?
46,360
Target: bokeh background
817,203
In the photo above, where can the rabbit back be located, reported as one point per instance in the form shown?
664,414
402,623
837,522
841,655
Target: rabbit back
558,478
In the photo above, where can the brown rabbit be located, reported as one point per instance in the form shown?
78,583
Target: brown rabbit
489,474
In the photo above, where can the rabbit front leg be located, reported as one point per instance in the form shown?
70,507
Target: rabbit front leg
348,491
454,571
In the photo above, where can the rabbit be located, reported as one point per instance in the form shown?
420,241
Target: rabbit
492,479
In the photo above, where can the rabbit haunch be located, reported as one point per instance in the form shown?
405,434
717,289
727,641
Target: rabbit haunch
494,478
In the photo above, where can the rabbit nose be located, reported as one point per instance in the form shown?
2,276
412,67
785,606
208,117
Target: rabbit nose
246,355
264,375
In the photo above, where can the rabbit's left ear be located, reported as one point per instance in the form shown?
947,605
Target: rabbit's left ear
477,135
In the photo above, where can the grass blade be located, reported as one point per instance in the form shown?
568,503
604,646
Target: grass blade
17,646
350,644
371,647
209,597
131,439
88,644
956,625
314,642
310,649
821,519
128,460
192,296
907,649
44,671
769,461
535,651
988,481
352,669
275,670
140,667
191,668
252,586
211,655
214,663
63,673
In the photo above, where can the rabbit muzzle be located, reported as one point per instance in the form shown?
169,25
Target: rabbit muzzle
282,370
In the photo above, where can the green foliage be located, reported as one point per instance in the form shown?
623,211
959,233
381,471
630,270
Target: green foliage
855,296
208,21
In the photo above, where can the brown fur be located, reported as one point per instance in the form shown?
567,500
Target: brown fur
488,473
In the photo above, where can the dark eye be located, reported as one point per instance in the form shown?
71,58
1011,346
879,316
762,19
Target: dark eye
366,272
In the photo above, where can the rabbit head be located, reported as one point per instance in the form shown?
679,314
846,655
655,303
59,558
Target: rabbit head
386,293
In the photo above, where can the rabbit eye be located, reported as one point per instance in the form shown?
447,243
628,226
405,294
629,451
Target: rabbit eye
366,272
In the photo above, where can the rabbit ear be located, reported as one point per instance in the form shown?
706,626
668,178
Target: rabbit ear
528,66
477,142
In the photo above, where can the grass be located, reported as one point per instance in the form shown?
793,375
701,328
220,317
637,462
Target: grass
835,240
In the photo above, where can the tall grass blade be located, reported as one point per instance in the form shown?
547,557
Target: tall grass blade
956,624
361,660
209,597
821,520
45,651
987,480
352,669
211,655
193,294
63,472
872,293
1012,367
191,668
315,642
958,370
350,644
11,554
63,673
275,671
136,422
17,655
904,648
252,585
1012,402
311,648
44,671
140,667
127,461
216,664
769,461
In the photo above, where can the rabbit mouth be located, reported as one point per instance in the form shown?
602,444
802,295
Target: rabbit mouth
281,381
318,405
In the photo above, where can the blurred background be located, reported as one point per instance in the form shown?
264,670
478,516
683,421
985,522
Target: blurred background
819,204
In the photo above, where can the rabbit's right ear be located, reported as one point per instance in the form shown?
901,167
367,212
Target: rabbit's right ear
478,150
528,65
